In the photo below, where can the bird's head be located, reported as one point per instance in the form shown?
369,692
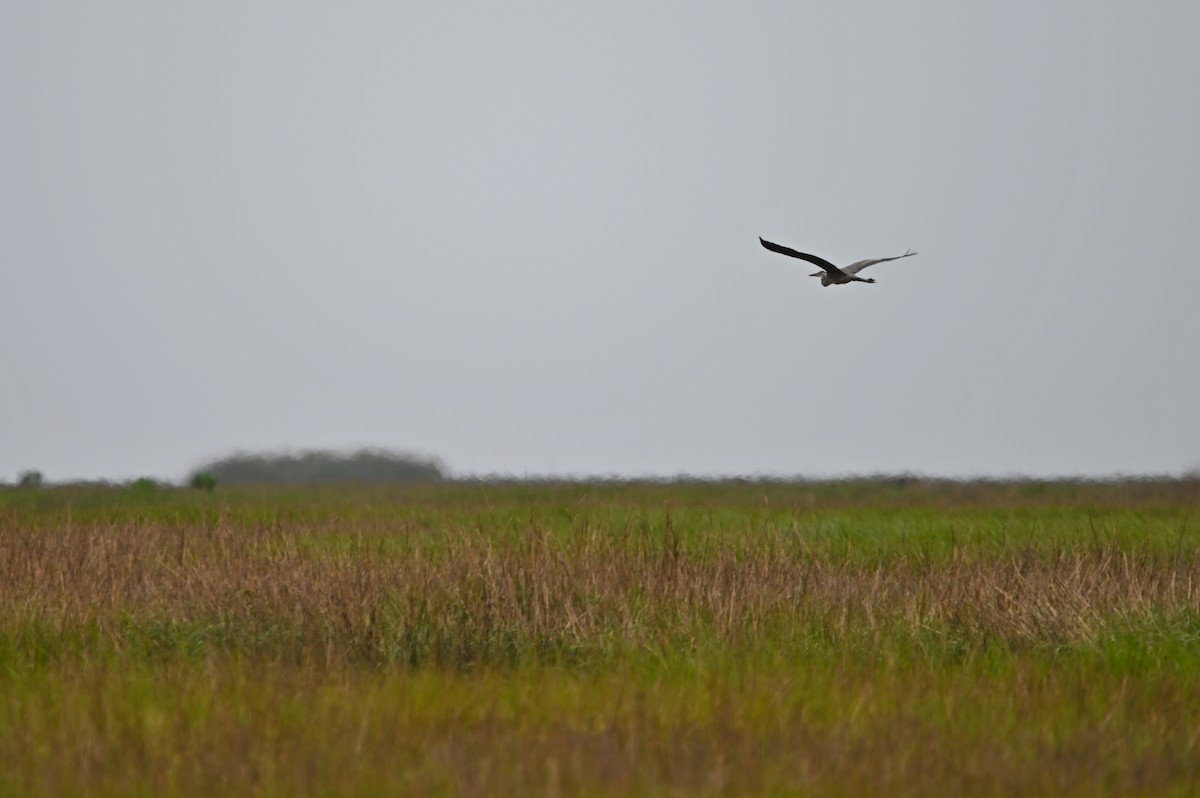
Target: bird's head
869,280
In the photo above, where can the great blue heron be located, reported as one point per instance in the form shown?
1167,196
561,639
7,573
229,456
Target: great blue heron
832,275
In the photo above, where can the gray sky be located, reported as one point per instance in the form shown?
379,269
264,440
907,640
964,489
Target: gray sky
523,236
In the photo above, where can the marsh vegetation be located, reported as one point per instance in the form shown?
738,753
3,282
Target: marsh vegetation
894,637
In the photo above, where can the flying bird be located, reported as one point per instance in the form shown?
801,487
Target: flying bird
832,275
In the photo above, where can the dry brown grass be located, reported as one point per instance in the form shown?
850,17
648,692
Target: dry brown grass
484,597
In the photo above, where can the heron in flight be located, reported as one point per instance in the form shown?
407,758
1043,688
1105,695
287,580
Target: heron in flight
832,275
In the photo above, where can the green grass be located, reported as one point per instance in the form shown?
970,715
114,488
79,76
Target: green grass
862,638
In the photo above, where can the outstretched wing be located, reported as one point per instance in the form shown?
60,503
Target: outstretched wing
830,269
855,268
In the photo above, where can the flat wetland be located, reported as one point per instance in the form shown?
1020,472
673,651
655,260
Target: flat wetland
872,637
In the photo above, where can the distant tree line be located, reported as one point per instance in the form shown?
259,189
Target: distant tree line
314,467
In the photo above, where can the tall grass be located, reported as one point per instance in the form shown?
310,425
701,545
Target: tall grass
571,639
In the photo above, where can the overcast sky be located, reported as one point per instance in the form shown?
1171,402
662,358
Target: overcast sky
523,237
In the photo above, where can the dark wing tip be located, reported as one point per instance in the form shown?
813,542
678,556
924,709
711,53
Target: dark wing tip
782,250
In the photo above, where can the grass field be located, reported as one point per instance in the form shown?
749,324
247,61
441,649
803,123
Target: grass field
857,638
